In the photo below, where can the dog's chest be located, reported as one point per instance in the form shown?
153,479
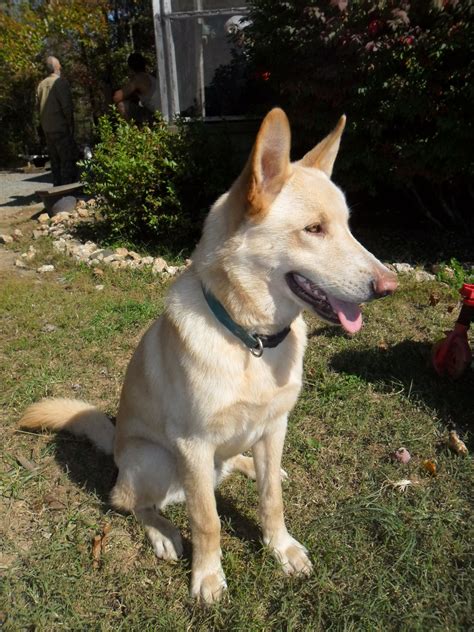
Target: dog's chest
254,403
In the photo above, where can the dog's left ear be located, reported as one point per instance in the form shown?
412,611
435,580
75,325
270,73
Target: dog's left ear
269,163
324,154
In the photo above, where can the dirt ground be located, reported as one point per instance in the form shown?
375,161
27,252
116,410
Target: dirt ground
18,205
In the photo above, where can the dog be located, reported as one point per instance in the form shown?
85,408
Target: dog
219,371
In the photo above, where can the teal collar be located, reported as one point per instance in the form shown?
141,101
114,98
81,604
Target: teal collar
255,342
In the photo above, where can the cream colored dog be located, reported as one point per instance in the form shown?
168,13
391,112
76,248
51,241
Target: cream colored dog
219,371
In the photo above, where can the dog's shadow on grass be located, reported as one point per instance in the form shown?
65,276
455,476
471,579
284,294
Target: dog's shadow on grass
407,367
96,473
86,467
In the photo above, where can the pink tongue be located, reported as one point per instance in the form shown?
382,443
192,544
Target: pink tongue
349,314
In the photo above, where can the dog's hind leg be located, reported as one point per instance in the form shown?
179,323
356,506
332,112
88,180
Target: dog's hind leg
246,465
165,538
147,481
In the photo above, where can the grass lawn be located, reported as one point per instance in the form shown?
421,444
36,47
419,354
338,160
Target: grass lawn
383,559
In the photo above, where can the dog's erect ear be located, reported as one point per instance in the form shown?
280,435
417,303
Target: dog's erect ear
269,164
324,154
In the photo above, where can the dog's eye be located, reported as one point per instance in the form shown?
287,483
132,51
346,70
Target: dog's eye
316,229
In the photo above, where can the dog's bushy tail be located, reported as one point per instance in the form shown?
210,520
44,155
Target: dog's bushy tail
73,415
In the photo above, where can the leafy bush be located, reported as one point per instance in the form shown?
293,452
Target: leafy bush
401,71
132,173
155,183
454,273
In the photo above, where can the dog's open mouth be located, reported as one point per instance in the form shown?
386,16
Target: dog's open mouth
326,306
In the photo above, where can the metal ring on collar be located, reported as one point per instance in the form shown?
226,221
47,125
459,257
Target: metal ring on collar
257,351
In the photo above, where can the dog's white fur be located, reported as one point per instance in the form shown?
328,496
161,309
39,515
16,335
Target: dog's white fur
194,397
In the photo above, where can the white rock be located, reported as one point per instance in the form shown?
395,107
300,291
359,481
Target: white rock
59,218
17,233
117,264
60,245
403,268
20,264
147,261
30,254
422,275
172,270
121,252
48,328
90,246
98,255
82,212
110,259
45,268
6,239
43,218
133,264
99,287
72,246
159,265
37,234
134,255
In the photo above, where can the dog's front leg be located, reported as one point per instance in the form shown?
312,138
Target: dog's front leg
267,457
196,465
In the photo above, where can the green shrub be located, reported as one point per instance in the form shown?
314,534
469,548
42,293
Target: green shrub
132,174
155,183
454,274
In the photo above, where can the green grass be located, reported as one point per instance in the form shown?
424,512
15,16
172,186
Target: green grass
383,560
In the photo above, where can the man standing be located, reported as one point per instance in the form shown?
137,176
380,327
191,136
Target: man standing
57,121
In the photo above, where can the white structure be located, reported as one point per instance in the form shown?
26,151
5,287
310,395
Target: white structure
192,41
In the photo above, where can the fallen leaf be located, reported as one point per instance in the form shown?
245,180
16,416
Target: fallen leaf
451,308
456,445
105,534
434,299
429,466
99,543
403,484
96,550
53,502
26,463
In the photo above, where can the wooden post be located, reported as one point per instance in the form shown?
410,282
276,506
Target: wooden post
201,94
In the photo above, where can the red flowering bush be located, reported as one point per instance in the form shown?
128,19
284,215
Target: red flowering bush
401,71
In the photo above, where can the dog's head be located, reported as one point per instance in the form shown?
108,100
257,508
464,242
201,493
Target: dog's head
282,233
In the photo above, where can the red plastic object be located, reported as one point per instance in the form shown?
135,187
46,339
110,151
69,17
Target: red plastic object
452,355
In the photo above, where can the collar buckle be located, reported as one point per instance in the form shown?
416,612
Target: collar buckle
258,350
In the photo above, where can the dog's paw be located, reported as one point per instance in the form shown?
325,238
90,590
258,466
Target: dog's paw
245,465
166,547
208,587
292,556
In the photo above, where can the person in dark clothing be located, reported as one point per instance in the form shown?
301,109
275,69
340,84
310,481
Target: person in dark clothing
56,114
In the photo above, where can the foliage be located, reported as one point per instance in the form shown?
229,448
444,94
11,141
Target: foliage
20,46
154,181
92,39
133,173
401,71
454,274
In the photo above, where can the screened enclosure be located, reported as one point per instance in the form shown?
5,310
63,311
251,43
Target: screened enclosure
200,57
